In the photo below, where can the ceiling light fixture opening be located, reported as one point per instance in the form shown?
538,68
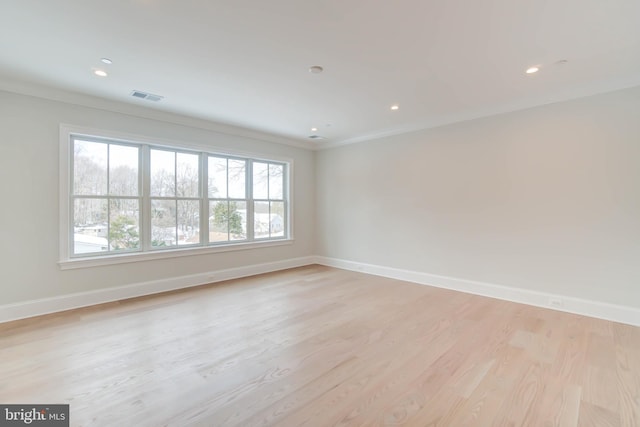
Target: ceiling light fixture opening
316,69
532,70
106,61
395,107
100,73
314,129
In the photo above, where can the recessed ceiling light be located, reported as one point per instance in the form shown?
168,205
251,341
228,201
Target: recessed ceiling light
316,69
100,73
395,107
532,70
314,129
106,61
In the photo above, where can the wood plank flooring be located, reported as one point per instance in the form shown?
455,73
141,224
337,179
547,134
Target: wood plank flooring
317,346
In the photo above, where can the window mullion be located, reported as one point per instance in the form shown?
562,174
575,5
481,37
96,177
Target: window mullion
249,195
71,200
108,198
204,199
145,223
175,194
286,196
177,226
269,197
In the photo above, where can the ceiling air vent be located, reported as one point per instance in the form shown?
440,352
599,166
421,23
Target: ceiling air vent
316,137
147,96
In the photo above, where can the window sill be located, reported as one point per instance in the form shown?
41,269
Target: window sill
98,261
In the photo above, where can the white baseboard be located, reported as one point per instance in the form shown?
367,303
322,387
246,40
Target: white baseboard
616,313
42,306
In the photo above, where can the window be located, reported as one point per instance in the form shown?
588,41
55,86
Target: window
126,197
227,199
268,200
175,198
105,197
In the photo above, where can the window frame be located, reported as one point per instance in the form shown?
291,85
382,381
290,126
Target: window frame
69,260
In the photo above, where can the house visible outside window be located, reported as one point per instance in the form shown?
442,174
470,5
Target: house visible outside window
126,197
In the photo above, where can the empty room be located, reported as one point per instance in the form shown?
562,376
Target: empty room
331,213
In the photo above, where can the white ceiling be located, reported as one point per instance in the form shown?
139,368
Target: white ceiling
245,62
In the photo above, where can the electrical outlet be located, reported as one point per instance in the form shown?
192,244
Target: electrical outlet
556,302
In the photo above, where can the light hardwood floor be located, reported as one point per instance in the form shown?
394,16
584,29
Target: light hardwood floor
317,346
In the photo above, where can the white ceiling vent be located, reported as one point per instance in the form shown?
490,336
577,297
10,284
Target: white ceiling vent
316,137
147,96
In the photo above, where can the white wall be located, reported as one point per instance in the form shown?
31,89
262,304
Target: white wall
545,199
29,145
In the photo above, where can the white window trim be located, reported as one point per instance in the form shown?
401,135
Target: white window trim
67,262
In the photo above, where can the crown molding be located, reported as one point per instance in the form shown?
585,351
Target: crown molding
9,84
